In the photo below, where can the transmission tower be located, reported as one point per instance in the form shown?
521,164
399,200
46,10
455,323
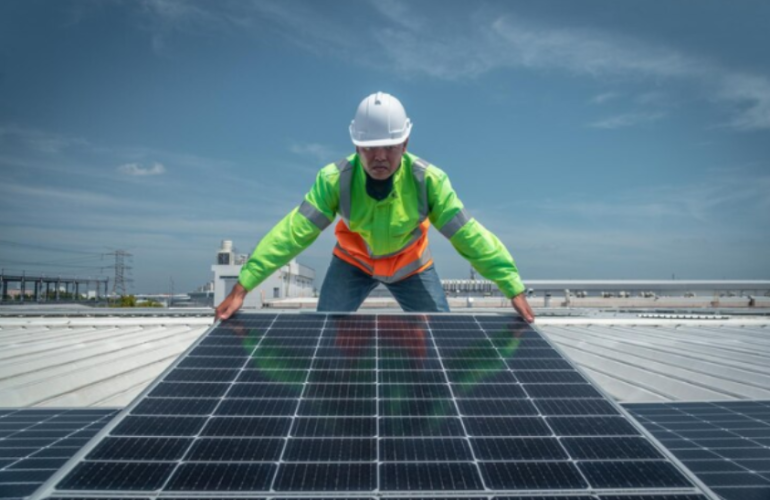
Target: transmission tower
121,268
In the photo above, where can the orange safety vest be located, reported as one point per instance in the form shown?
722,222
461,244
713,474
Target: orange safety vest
415,257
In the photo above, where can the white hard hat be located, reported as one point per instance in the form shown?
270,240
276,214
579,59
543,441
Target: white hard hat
380,121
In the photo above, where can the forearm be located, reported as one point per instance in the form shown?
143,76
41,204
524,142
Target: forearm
489,257
284,242
239,291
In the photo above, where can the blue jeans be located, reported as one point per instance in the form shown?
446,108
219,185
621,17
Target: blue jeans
345,287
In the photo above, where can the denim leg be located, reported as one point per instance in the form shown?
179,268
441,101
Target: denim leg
344,288
420,292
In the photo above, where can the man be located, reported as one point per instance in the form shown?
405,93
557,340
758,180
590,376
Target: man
387,199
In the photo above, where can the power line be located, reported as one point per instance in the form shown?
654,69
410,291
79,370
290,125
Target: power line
33,271
50,264
41,247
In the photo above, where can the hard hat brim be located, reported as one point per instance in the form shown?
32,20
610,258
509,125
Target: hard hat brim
395,141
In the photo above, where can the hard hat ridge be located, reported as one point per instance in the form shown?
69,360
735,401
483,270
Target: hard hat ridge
380,121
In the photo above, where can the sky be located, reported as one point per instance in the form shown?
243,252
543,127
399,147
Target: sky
596,139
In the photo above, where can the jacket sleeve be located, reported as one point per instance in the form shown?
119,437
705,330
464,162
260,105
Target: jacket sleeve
297,231
474,242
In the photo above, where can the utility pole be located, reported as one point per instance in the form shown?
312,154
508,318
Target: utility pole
119,285
170,291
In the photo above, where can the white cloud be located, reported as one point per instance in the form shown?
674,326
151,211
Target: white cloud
40,141
316,151
626,120
138,170
601,54
59,195
477,44
604,97
168,17
399,13
653,97
704,201
753,93
586,51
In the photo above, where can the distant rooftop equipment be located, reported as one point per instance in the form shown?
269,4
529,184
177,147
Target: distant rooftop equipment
225,255
684,316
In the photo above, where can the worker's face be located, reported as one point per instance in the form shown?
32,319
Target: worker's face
383,161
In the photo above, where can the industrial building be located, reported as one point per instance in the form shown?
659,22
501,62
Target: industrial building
291,281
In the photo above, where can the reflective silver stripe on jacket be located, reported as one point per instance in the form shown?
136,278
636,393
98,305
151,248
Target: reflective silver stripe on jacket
455,223
418,170
406,270
314,215
346,179
367,266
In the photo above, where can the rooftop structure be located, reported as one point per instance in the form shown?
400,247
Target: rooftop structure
105,358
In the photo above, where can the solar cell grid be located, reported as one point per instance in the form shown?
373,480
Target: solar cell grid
214,375
371,405
552,391
235,450
257,407
27,460
416,407
487,391
506,426
550,377
174,407
522,364
411,377
721,442
508,449
337,408
140,449
481,376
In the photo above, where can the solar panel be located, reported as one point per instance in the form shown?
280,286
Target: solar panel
35,443
372,406
726,444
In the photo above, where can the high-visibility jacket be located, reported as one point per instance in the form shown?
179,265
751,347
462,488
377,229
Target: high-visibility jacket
387,239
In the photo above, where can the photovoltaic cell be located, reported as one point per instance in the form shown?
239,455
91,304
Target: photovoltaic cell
372,406
120,448
429,477
532,475
236,450
322,477
111,476
424,450
331,450
225,477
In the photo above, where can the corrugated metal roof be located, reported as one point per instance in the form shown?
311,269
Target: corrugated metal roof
103,361
647,360
107,361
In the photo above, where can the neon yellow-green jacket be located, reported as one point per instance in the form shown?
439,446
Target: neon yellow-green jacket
420,191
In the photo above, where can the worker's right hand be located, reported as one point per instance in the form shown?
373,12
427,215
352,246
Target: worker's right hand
232,303
522,307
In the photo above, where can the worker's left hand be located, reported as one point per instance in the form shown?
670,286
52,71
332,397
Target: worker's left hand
521,305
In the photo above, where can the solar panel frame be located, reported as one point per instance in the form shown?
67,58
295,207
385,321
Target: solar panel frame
446,327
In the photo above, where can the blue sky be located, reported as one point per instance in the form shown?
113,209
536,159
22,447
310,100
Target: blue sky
597,139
